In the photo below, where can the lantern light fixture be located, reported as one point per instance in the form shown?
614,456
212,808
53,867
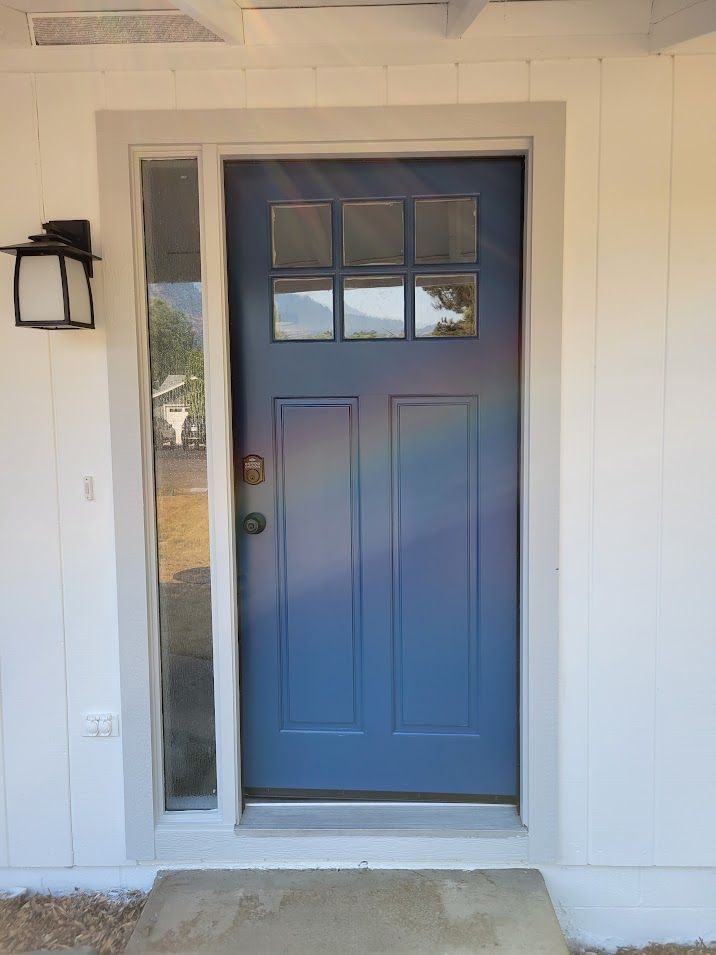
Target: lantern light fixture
52,276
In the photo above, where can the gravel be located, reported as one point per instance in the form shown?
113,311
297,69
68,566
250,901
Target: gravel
698,949
88,920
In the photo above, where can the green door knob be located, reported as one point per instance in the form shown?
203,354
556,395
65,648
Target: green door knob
254,523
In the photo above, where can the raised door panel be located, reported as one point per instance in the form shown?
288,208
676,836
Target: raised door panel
316,445
434,550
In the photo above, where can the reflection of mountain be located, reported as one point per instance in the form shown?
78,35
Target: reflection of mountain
184,297
304,312
360,322
299,311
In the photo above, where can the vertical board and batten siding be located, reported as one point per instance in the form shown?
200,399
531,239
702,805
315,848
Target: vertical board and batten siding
36,798
638,450
685,713
65,107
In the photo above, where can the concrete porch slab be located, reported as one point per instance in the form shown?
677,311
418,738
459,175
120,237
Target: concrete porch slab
348,912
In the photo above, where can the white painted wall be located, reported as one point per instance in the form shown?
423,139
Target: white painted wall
638,536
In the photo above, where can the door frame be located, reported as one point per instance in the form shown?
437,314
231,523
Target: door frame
536,130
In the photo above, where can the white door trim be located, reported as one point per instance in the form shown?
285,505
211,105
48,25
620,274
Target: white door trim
537,129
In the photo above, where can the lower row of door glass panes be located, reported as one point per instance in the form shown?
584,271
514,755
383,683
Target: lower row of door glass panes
374,307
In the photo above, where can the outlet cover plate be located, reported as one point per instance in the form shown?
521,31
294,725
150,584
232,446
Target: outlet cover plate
100,724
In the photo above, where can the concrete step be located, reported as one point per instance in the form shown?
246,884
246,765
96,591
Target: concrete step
348,912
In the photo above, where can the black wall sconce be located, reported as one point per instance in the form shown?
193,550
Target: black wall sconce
52,276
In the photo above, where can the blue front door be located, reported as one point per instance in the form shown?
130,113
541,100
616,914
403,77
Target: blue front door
375,336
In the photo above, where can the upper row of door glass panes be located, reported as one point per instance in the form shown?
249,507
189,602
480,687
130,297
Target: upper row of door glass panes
374,233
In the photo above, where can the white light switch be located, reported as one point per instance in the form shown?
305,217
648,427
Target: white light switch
100,724
88,485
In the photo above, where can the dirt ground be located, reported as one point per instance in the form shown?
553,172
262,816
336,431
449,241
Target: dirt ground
30,921
182,512
101,922
183,543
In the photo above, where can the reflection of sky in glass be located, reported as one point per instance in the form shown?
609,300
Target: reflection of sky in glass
376,302
373,310
426,316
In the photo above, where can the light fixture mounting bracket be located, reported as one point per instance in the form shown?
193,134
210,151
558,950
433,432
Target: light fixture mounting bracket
75,231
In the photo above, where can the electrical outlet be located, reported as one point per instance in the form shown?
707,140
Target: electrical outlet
100,724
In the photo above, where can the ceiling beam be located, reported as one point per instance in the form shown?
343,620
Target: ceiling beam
14,30
693,20
222,17
461,14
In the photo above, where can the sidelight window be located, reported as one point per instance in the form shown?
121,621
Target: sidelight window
175,309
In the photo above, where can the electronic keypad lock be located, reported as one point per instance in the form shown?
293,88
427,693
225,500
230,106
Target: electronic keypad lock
254,469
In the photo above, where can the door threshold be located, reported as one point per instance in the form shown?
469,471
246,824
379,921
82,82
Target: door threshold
453,818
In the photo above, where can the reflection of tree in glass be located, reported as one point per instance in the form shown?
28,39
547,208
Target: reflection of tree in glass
458,299
175,351
195,384
171,340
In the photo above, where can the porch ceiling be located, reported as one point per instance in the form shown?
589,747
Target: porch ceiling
225,17
657,24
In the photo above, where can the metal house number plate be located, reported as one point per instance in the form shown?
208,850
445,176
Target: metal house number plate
253,469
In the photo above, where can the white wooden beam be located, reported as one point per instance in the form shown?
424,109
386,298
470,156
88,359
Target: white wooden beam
14,30
222,17
693,20
461,14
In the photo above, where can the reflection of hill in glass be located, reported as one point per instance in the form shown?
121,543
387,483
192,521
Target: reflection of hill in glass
384,327
301,312
304,312
184,297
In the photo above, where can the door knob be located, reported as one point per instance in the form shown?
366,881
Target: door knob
254,523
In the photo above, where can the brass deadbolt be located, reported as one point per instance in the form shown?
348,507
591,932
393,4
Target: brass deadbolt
254,469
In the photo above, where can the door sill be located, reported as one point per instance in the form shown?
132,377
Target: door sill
263,817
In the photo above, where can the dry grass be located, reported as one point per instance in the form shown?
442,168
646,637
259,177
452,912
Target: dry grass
183,543
183,531
102,922
182,513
